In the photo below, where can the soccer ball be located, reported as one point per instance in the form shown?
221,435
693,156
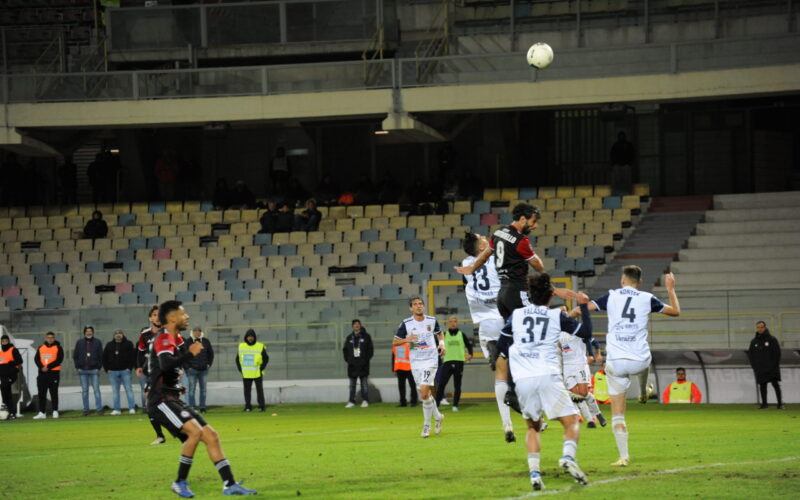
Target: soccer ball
540,55
3,413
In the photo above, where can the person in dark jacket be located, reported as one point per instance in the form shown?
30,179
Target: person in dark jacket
197,367
96,227
119,358
357,352
10,365
48,359
309,219
284,220
765,358
269,219
88,358
251,360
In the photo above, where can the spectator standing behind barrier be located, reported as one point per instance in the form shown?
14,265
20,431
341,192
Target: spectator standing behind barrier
197,367
681,391
48,359
401,365
119,358
455,343
765,358
88,358
10,363
96,227
357,352
251,361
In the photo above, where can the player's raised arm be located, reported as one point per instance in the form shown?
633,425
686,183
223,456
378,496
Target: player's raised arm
536,263
674,307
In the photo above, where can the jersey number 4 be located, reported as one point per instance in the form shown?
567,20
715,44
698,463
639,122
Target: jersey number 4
628,312
532,323
484,279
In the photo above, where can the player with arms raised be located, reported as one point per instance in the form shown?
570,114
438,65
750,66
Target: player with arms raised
165,406
530,341
421,333
627,350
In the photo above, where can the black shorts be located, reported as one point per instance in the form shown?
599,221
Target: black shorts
509,298
172,415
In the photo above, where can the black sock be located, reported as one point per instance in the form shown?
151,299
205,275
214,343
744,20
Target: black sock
183,467
225,472
157,428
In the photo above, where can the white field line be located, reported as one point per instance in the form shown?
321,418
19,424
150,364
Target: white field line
651,474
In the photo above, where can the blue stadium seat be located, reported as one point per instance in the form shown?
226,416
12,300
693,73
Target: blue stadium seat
54,302
584,266
253,315
482,230
555,252
185,296
232,285
323,248
131,266
481,207
288,249
422,255
370,235
390,291
406,233
269,250
206,206
48,290
392,268
414,245
262,239
565,264
42,279
142,287
365,258
173,275
471,220
210,306
15,303
7,280
39,268
57,267
412,267
301,272
156,242
451,244
197,286
420,278
157,206
506,218
612,202
137,243
126,220
94,267
348,291
240,295
372,291
253,284
385,258
228,274
240,263
430,267
126,254
128,299
528,193
596,253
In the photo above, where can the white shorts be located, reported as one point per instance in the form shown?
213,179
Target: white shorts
489,329
574,375
620,371
544,394
424,373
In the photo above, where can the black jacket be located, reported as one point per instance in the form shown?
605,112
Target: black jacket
59,357
88,354
11,368
765,357
358,366
204,359
119,355
95,228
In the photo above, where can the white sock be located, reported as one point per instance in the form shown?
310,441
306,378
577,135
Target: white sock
591,402
569,448
500,390
620,435
428,406
533,462
584,409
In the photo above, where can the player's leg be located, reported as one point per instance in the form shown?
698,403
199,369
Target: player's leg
557,403
594,409
579,392
534,447
618,383
645,390
211,439
458,374
531,405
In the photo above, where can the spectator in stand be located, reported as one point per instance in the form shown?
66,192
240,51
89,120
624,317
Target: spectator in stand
308,219
88,358
269,219
251,361
48,359
241,196
197,367
765,358
68,180
284,222
10,365
96,227
166,171
681,391
327,191
279,170
119,358
222,195
357,353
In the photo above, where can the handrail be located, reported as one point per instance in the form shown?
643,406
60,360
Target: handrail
436,41
376,47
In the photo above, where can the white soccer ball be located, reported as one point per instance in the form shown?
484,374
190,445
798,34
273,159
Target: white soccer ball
540,55
3,413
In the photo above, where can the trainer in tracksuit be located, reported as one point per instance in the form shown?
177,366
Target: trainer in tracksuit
455,343
48,359
251,360
10,364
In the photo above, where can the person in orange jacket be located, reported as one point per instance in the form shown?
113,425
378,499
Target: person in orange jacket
681,391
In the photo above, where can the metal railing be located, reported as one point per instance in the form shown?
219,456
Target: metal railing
402,73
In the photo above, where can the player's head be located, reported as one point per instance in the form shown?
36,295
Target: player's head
417,306
88,331
540,289
153,316
356,324
49,338
526,216
171,313
472,244
680,373
631,276
452,323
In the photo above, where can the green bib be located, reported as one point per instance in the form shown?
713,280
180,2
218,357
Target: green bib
454,345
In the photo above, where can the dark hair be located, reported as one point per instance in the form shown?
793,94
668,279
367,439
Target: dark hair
761,323
97,212
540,289
153,308
470,243
166,308
633,273
49,333
679,369
355,321
87,327
412,299
524,210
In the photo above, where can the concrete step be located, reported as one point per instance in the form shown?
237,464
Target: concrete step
753,279
757,200
681,203
734,266
751,227
745,255
743,240
755,214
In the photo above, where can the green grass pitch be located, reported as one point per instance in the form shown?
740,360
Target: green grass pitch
327,451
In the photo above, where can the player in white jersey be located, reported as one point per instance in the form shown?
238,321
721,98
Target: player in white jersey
627,350
530,341
425,341
574,355
481,288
